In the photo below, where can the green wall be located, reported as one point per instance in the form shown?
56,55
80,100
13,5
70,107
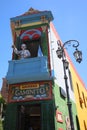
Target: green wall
61,104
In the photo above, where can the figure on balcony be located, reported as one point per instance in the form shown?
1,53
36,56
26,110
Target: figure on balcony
23,53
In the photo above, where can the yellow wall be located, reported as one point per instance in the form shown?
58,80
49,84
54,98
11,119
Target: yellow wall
80,97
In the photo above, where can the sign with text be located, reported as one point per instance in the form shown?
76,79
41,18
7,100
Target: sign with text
30,91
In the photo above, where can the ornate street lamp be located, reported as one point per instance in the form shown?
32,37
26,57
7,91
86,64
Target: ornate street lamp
78,56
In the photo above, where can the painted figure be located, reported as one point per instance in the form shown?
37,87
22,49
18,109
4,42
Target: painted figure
23,53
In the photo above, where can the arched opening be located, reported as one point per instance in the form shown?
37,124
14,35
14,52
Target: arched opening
33,46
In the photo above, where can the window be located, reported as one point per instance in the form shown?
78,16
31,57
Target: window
85,125
77,122
79,95
62,93
34,46
84,100
70,78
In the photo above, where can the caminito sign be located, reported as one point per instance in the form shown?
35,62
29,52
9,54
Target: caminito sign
30,91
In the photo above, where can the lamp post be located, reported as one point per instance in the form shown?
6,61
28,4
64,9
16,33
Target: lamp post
62,55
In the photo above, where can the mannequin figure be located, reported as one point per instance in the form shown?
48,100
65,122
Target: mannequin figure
23,53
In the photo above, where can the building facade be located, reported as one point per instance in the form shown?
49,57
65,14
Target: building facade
36,87
77,88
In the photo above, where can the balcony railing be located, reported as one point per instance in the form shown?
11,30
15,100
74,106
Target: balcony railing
25,70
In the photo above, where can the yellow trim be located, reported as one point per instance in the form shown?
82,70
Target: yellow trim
31,24
27,86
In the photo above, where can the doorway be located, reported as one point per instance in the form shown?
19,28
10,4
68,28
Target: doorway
29,117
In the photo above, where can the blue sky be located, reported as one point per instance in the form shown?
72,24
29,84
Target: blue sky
70,21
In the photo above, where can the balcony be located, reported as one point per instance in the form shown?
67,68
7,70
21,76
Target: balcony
25,70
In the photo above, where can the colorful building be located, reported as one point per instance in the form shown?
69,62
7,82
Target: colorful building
30,80
77,89
60,88
36,87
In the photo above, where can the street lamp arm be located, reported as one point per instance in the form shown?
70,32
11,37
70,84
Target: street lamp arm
75,43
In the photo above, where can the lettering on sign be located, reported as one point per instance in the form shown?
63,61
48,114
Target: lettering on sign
30,91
